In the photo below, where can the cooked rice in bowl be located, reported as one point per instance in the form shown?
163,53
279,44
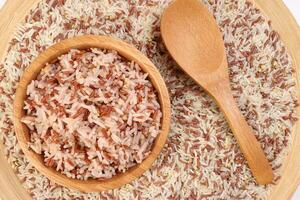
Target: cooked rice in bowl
92,114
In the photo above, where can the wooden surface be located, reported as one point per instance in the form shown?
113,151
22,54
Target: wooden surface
282,21
192,37
85,42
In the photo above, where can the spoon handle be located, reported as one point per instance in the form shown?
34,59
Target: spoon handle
244,135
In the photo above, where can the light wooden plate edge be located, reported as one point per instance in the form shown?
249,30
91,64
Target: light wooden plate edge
14,12
11,14
289,32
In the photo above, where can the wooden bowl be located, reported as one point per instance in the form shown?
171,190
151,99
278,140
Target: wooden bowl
84,42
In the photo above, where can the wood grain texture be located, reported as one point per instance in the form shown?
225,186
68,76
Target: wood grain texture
282,21
85,42
192,37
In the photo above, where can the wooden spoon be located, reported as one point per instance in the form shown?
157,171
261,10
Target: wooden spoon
192,37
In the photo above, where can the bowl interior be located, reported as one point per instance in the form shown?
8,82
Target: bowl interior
84,42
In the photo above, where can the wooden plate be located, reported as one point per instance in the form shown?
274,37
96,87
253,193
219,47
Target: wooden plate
14,12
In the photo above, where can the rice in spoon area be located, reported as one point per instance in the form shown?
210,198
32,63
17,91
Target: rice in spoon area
92,114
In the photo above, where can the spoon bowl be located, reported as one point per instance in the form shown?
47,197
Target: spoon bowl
194,43
84,42
193,39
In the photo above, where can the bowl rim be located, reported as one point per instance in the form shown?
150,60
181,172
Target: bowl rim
84,42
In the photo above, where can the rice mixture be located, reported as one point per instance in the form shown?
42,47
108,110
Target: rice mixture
92,114
201,159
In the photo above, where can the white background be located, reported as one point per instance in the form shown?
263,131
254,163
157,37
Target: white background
294,7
